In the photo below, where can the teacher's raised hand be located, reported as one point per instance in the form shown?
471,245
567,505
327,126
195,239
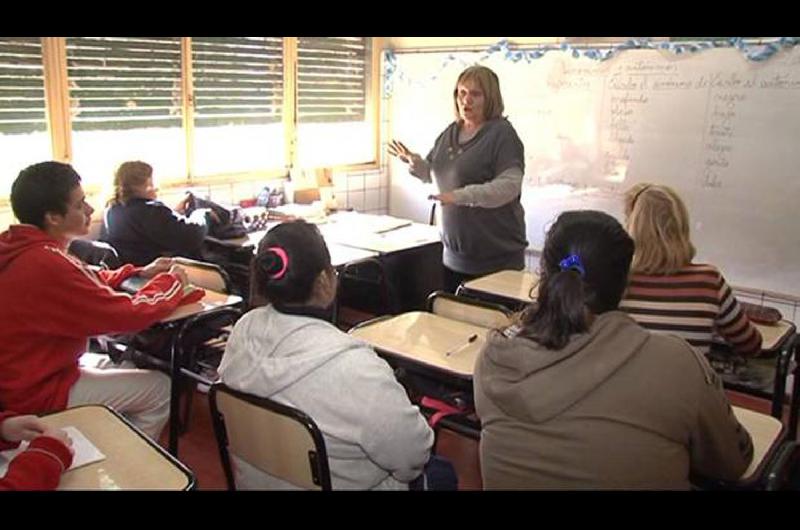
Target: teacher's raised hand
398,149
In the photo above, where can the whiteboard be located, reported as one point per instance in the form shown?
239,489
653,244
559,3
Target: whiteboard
722,130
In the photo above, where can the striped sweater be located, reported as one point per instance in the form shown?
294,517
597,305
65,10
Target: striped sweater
695,304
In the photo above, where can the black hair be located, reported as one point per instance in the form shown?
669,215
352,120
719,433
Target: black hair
42,188
605,250
307,256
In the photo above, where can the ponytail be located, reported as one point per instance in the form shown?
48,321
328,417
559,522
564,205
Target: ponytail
561,310
584,271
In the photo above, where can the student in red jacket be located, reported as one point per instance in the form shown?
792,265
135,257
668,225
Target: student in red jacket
51,305
47,456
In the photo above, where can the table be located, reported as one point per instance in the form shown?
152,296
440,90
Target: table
427,339
766,433
133,461
763,376
510,288
409,253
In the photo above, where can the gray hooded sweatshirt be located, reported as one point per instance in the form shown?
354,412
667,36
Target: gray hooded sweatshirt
374,436
617,408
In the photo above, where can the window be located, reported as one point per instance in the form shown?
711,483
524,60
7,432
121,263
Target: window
198,109
335,111
23,124
238,104
125,103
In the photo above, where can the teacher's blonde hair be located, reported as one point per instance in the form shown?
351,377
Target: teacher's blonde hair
658,221
490,85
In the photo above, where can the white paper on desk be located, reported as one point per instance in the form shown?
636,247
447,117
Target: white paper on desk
85,451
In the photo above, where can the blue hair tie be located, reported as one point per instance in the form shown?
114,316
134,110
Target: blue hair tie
573,262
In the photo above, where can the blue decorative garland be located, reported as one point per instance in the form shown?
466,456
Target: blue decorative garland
753,52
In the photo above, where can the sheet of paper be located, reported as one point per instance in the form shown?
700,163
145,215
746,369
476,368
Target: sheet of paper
85,451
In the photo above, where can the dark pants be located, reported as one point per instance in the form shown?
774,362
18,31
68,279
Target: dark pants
438,475
453,279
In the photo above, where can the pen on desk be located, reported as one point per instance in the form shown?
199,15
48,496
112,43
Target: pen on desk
470,340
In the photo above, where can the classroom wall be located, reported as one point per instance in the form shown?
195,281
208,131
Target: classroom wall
720,129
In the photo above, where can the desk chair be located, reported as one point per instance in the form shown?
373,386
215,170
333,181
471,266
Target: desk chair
95,253
363,285
206,275
471,310
795,403
277,439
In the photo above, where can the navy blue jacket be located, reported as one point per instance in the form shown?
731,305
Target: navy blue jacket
142,230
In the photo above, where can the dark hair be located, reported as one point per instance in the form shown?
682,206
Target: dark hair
42,188
307,256
604,249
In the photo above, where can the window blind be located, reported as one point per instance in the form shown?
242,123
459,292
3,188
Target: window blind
237,80
124,82
22,101
332,78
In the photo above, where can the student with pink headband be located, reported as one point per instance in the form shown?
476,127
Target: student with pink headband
286,350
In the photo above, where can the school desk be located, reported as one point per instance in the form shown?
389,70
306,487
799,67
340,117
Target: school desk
441,344
409,254
763,376
767,433
176,326
132,460
512,289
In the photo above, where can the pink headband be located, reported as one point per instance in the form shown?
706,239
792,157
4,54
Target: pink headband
284,259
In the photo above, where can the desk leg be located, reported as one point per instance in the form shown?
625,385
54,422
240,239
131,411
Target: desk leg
779,385
795,404
174,398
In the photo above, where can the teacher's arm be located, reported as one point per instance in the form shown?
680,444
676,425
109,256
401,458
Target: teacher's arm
417,166
501,190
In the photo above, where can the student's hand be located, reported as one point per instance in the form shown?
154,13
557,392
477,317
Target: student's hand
183,204
158,265
398,149
61,436
444,198
19,428
179,271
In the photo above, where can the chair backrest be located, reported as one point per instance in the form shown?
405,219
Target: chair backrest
277,439
205,275
478,312
95,253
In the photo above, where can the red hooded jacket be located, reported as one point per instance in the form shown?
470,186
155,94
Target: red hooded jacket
37,468
50,304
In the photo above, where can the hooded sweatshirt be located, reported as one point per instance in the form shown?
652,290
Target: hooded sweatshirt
617,408
50,305
374,436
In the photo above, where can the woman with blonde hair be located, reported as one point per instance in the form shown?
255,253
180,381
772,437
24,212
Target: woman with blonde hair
478,162
667,291
142,228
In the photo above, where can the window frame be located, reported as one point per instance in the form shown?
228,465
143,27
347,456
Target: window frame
59,122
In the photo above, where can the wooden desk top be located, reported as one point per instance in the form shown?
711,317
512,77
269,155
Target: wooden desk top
212,300
426,338
132,461
509,284
765,431
405,237
774,335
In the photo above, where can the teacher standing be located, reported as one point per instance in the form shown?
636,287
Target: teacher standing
478,162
